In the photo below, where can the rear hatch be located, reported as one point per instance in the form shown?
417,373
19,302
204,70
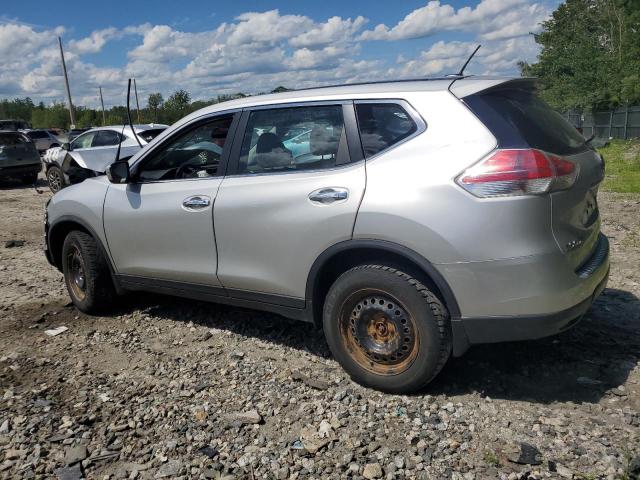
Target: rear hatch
519,119
16,150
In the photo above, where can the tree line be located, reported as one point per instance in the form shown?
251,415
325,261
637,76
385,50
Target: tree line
157,110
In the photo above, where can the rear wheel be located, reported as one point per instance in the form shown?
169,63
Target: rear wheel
55,179
86,273
386,329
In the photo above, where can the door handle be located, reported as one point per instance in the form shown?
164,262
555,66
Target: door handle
329,195
196,202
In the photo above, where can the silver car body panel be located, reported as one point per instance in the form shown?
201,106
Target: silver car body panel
503,257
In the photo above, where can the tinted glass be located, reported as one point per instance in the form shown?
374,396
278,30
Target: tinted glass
194,154
382,125
519,119
289,139
148,135
12,139
106,138
83,141
38,134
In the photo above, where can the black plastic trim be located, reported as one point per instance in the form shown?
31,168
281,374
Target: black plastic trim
289,307
384,245
597,258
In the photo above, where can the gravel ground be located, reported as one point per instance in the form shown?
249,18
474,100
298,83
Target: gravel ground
165,388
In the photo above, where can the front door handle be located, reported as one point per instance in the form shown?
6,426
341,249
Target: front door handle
196,202
329,195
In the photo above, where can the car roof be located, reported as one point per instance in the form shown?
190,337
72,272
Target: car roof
138,127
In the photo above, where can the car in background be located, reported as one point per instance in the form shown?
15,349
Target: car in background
90,153
42,139
14,125
19,157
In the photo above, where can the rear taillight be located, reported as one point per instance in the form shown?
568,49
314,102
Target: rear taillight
518,172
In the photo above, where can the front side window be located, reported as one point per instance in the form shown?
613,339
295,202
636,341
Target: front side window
290,139
382,125
83,141
194,154
106,138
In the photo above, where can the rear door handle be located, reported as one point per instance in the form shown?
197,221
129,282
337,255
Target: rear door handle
329,195
196,202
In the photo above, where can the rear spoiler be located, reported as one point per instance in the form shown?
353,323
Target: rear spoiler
464,87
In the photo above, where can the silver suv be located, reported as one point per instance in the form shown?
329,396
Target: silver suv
408,219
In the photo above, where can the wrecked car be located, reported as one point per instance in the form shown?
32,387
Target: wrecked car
89,154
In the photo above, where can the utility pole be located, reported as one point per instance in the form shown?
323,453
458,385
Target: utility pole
135,89
104,121
66,84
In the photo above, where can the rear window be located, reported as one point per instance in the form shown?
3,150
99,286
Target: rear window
37,134
519,119
148,135
12,139
382,125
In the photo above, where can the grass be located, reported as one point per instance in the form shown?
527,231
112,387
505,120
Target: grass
622,160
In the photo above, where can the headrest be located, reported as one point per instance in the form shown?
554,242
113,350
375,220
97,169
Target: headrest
267,142
323,141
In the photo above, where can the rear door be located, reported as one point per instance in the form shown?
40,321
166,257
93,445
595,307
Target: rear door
102,152
519,119
296,183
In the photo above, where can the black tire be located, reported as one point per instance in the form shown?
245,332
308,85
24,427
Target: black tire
30,179
55,179
86,273
386,329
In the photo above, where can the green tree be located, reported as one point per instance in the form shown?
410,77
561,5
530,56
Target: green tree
590,54
154,103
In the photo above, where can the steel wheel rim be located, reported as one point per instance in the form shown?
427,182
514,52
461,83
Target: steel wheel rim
54,179
76,277
378,332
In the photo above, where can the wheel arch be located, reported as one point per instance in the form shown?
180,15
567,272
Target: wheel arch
344,255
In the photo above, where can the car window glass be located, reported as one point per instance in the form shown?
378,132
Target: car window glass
38,134
105,138
7,139
194,154
83,141
289,139
382,125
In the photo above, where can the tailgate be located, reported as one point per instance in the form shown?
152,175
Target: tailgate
575,215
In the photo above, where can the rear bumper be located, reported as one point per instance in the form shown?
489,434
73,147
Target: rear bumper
20,170
551,292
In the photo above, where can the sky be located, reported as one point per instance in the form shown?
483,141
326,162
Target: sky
211,48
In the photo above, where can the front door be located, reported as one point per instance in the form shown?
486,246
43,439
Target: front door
294,188
160,226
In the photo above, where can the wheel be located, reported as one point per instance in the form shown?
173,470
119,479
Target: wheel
55,179
30,179
386,329
86,273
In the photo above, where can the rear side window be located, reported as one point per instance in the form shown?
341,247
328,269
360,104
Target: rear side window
12,139
106,138
148,135
38,134
382,125
519,119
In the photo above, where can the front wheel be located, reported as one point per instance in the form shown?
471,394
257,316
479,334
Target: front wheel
386,329
86,273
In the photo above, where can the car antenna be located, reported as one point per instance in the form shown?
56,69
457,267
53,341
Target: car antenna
129,114
461,72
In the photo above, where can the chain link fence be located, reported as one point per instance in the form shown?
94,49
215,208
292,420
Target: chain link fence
622,122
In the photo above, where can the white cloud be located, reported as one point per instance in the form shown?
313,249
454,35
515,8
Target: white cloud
258,51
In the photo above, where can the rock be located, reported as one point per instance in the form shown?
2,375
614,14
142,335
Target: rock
588,381
75,454
244,418
563,471
237,354
14,454
70,473
524,454
4,428
209,451
13,243
170,469
372,470
317,383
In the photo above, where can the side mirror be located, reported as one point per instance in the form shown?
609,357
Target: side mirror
118,172
66,146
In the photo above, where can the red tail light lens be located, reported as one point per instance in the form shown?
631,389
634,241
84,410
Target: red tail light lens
518,172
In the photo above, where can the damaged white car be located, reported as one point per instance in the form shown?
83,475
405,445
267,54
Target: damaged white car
89,154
